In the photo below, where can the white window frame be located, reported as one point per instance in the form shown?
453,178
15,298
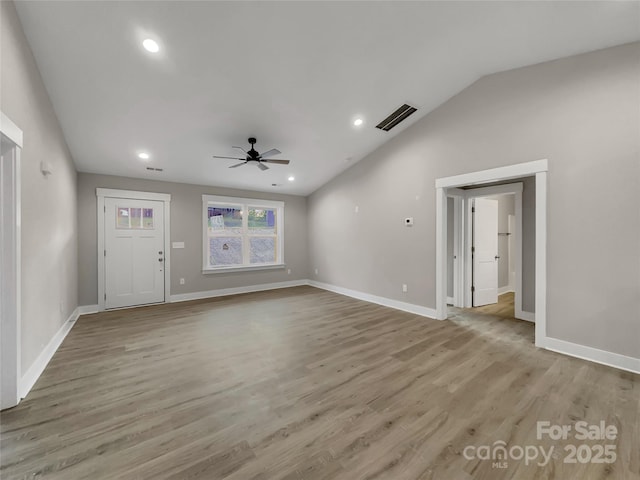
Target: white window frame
245,203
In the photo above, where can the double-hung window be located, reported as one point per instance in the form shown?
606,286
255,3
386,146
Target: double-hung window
241,233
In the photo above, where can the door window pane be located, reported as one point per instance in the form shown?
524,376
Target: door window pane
122,218
135,215
263,249
134,218
147,218
225,251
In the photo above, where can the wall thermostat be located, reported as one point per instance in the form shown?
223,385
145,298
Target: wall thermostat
408,221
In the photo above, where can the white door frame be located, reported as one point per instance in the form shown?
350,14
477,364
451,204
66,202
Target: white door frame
511,188
103,193
10,277
458,245
538,168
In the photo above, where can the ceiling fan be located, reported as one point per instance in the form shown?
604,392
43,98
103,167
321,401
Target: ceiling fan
253,156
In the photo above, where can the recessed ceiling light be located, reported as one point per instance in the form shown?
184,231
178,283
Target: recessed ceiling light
151,45
291,178
358,121
143,155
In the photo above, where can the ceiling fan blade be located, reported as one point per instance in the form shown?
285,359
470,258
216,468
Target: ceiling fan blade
261,166
240,148
228,158
282,162
237,165
270,153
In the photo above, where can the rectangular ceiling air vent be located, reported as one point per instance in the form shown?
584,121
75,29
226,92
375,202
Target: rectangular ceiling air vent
151,169
396,117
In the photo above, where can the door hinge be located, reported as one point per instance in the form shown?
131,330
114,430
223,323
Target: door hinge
473,249
473,289
473,209
105,252
105,296
105,209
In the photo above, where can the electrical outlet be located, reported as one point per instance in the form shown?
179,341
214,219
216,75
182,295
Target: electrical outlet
404,287
288,271
316,271
357,208
182,281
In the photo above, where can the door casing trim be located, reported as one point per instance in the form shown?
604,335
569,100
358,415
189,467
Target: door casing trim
10,260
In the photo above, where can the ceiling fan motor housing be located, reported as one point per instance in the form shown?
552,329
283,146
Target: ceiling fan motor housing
253,153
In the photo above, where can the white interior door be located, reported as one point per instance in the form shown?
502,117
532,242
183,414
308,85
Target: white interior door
134,252
485,252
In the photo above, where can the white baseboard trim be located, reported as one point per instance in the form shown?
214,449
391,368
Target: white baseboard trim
87,309
630,364
185,297
449,300
387,302
507,289
528,316
29,379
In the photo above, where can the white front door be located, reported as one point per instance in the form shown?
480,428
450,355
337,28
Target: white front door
134,252
485,252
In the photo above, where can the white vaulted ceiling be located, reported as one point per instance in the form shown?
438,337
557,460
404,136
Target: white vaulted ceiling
293,74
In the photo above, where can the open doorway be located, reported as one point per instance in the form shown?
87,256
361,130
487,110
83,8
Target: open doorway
485,261
464,190
496,257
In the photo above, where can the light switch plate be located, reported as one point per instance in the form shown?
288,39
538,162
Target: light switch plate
177,244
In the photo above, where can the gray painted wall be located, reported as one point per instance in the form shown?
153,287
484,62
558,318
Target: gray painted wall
186,226
581,113
49,230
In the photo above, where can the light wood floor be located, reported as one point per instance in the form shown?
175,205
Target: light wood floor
305,384
505,307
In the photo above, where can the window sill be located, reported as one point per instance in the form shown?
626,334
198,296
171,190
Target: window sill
249,268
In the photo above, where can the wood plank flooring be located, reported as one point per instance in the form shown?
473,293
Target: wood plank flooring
301,383
505,308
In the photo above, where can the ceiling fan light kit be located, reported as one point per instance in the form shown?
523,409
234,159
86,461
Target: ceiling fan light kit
253,156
